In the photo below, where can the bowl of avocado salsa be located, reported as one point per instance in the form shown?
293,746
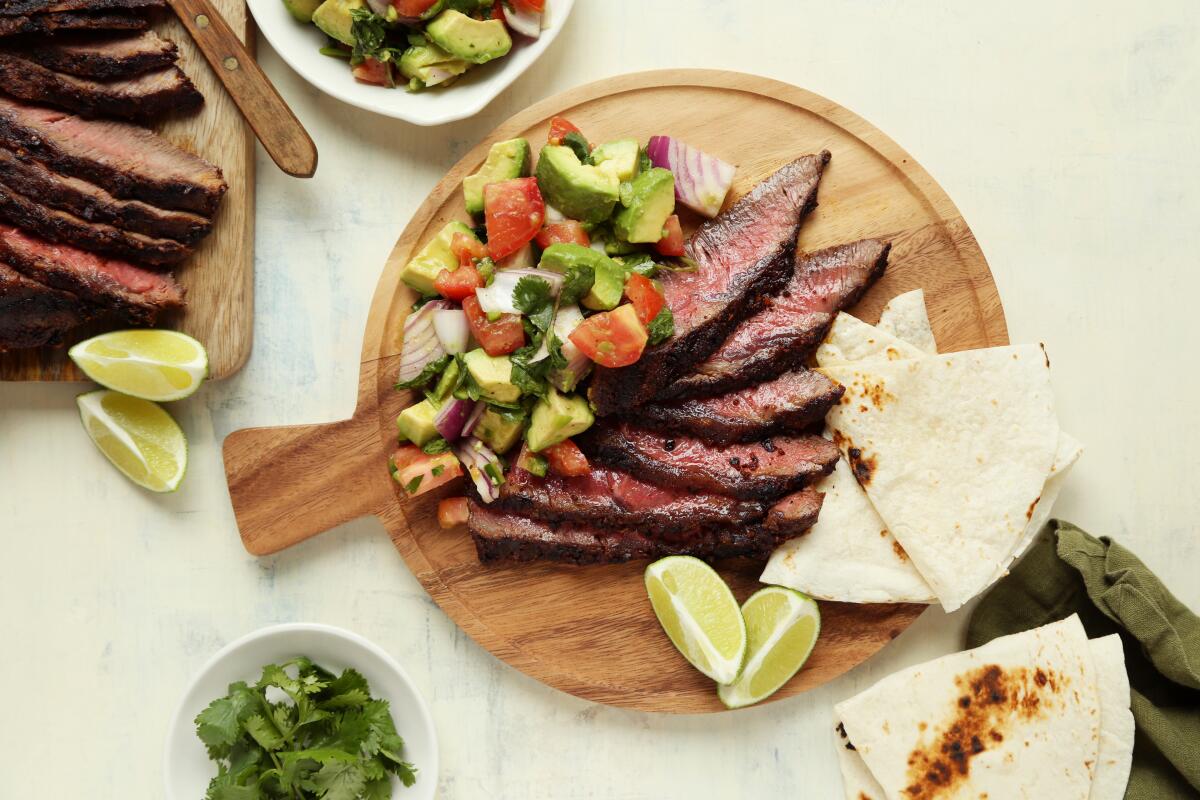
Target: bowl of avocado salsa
452,56
554,273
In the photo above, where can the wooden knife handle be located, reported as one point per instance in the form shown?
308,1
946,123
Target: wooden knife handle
273,122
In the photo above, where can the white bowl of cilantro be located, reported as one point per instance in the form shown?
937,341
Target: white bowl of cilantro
301,711
369,52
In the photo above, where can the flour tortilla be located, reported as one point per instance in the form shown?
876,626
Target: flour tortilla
852,341
857,780
1031,728
953,451
905,318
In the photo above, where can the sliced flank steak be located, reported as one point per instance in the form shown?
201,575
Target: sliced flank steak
743,255
127,160
794,514
135,294
14,8
140,97
788,404
788,330
51,24
34,179
502,536
32,315
615,499
66,228
762,470
122,55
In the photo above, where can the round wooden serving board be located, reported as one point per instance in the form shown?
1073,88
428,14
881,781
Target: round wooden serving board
590,630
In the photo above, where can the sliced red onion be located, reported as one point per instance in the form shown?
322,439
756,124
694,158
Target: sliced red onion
522,259
701,181
421,345
380,7
483,466
435,75
452,417
498,298
526,23
554,215
578,365
473,420
450,326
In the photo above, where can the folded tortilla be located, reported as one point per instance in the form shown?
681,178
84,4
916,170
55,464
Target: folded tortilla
905,317
851,341
1018,717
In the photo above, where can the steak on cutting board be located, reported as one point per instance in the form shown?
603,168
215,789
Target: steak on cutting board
136,295
13,8
788,404
71,21
119,56
32,315
788,330
762,470
139,97
743,255
127,160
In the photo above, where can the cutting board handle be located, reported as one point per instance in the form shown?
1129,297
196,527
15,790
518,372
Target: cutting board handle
290,483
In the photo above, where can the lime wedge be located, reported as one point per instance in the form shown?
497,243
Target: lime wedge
137,436
782,626
150,364
700,614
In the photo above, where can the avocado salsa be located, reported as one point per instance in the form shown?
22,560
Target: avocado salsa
418,43
555,274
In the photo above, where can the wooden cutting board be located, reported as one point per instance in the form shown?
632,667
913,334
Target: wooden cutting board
219,278
590,630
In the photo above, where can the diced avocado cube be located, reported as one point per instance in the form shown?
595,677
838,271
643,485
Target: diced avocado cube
448,381
619,157
416,422
493,376
505,161
419,61
435,256
500,429
475,40
302,10
650,200
578,190
557,417
608,277
334,20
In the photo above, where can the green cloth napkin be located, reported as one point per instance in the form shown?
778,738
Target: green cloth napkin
1068,571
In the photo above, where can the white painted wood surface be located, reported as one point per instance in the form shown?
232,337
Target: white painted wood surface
1068,134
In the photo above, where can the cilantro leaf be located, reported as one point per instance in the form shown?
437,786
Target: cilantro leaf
641,263
579,145
433,447
339,780
219,725
577,281
431,369
662,327
534,298
369,31
264,732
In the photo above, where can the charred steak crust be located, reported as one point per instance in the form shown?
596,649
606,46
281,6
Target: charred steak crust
33,179
50,24
787,404
140,97
61,226
33,315
728,286
14,8
128,161
763,470
119,56
785,333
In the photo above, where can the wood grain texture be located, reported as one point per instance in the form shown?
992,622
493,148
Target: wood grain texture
219,278
590,631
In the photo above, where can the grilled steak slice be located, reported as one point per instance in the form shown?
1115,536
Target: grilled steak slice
71,21
788,330
614,499
743,255
794,514
140,97
32,315
756,471
14,8
127,160
33,179
502,536
137,295
120,56
787,404
61,226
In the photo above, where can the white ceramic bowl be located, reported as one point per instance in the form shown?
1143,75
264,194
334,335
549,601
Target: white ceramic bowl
186,766
297,44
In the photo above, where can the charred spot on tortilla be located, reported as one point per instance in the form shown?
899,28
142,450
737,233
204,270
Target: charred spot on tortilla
899,551
863,466
1032,506
1045,355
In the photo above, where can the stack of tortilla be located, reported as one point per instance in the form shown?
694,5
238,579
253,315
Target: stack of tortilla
951,464
1040,714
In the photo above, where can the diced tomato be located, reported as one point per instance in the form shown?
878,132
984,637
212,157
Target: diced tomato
498,12
373,71
414,8
514,211
459,284
671,244
566,459
452,512
568,231
646,299
406,455
530,461
499,338
428,472
530,6
612,338
467,249
560,127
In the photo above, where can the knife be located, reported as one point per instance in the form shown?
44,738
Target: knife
281,134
